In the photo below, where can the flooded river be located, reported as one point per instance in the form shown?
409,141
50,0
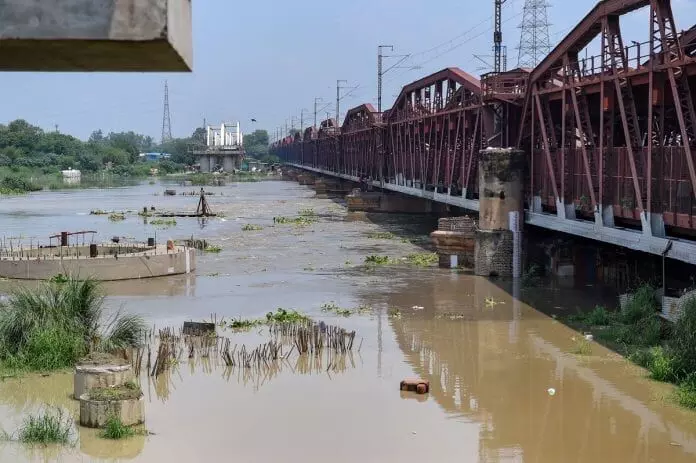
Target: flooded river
505,383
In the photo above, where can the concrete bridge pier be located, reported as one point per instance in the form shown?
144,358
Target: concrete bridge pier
498,247
374,201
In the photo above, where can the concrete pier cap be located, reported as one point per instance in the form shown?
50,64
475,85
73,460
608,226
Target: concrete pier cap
96,35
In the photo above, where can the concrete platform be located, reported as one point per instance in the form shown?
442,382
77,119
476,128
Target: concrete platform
113,263
96,35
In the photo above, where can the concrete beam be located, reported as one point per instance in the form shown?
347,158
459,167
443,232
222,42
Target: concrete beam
96,35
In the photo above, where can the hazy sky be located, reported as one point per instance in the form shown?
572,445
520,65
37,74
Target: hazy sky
268,59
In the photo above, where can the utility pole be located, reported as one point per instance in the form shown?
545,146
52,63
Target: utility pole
302,111
338,98
315,110
379,74
498,36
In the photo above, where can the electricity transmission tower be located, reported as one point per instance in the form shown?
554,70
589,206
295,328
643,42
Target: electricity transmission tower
534,39
166,121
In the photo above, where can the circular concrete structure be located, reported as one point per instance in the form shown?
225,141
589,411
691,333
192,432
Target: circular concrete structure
105,262
90,374
96,413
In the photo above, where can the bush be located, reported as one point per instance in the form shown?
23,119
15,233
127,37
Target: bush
657,360
686,392
54,325
642,305
49,349
17,185
598,317
683,341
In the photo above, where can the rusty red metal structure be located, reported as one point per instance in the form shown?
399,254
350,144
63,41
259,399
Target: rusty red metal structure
610,138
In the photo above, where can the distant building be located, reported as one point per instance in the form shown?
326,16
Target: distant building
154,157
71,176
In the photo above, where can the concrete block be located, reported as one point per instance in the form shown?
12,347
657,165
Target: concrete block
96,35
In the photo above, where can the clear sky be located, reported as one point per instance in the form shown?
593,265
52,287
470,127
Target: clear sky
269,59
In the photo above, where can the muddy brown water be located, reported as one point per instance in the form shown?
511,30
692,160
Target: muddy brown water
491,357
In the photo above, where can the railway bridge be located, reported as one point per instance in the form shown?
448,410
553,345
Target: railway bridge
608,138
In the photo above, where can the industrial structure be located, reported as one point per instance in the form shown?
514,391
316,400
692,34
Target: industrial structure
608,139
223,150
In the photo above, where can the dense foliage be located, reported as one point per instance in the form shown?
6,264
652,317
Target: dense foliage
256,147
52,326
26,147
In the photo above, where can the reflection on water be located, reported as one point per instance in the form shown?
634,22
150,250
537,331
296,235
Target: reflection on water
490,357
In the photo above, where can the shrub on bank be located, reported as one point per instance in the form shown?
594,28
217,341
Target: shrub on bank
52,326
669,356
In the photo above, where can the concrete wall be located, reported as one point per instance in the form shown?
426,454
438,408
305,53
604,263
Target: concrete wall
383,202
102,268
96,35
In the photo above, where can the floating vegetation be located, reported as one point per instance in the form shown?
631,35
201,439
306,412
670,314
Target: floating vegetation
309,268
243,324
300,221
342,312
307,212
98,212
381,236
117,216
279,316
423,260
286,316
212,248
252,227
49,427
163,222
377,260
214,274
394,313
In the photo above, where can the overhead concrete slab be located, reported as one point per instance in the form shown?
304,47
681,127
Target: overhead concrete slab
96,35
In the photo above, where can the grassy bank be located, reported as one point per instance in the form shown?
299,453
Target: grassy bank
51,327
667,351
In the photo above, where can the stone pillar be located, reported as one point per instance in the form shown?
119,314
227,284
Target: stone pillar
500,200
454,241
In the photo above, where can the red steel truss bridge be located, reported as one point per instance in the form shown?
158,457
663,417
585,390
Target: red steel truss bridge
610,139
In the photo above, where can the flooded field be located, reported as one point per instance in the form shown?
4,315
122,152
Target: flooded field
506,385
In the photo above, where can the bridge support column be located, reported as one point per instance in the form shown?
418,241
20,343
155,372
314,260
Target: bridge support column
369,201
205,164
501,215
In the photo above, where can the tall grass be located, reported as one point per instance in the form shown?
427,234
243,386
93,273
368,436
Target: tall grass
46,428
52,326
115,429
